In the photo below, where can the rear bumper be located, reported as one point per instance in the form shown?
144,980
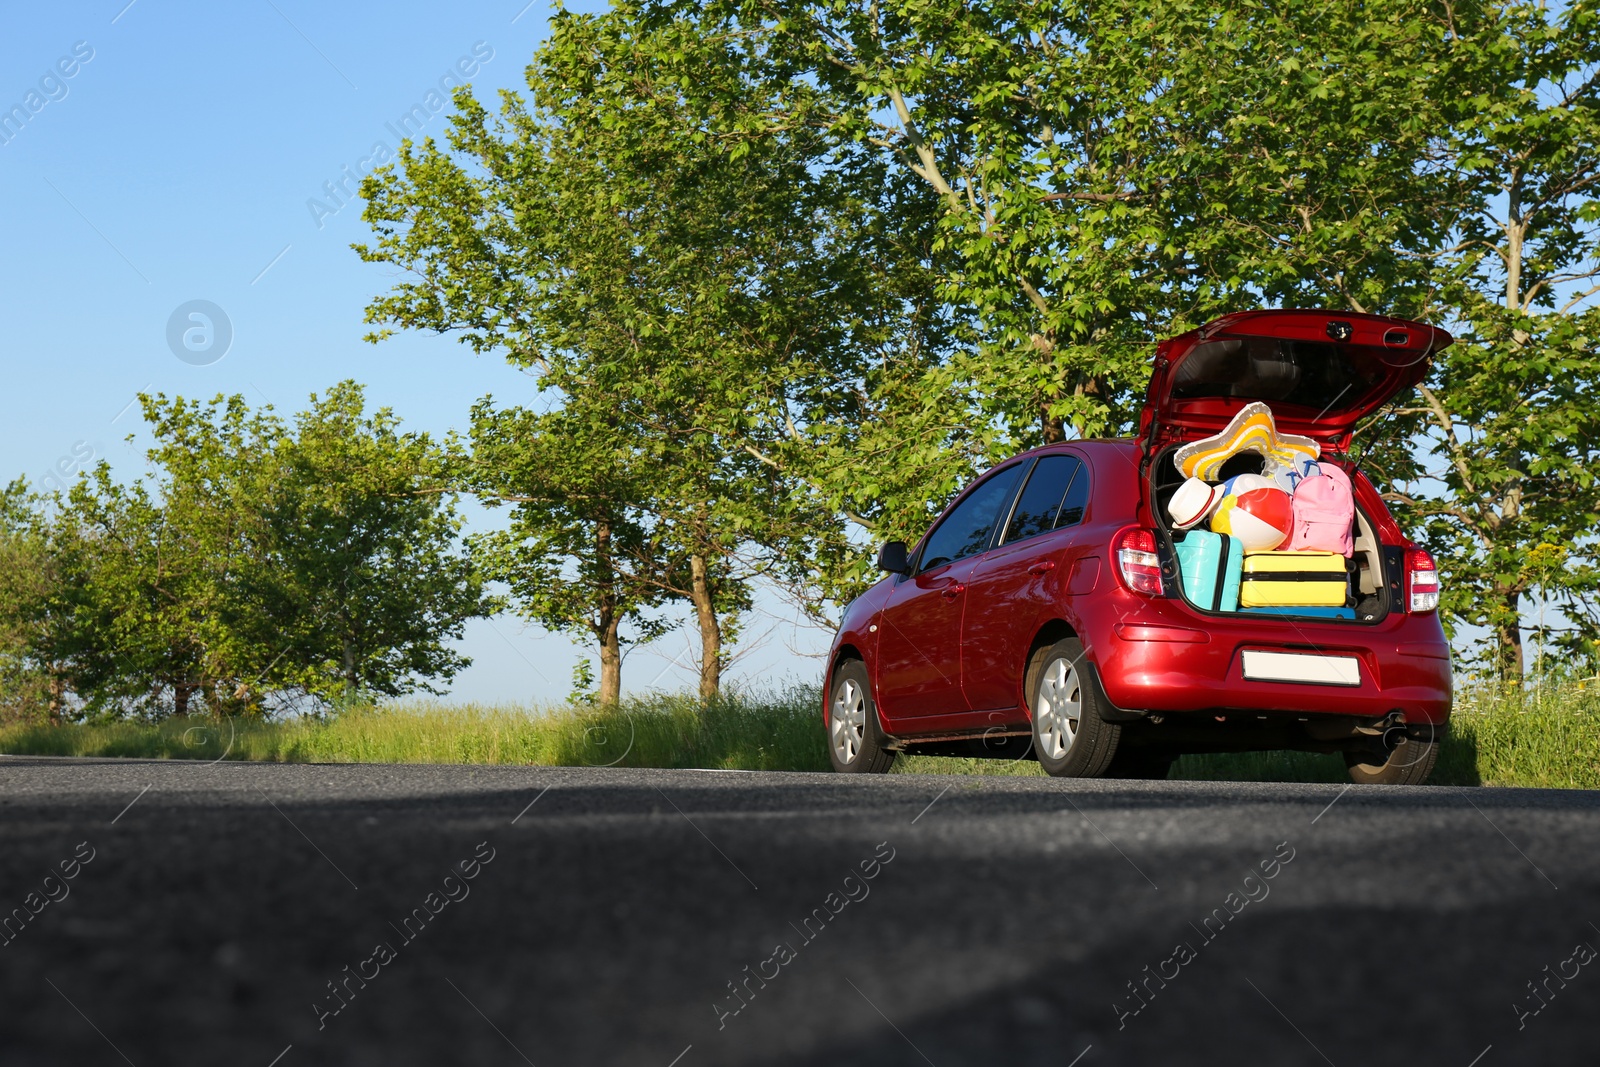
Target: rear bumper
1155,655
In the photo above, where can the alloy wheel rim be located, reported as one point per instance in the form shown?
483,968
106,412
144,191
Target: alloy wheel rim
848,722
1058,707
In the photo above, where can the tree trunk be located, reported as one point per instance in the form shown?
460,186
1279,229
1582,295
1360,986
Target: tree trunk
1509,639
349,669
1516,231
705,611
1051,429
1054,430
180,698
58,695
609,622
610,660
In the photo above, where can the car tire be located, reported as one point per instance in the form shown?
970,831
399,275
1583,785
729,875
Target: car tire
1069,737
855,743
1408,763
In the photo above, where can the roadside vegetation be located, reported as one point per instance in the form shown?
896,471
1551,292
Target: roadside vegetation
1547,737
775,732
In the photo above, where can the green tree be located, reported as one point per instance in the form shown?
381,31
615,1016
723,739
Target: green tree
1073,182
150,569
256,561
1069,183
31,684
358,585
710,300
1510,500
579,555
1112,170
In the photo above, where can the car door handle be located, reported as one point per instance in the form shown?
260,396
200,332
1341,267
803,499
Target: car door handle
952,591
1042,568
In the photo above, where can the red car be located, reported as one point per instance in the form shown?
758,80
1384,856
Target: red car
1042,615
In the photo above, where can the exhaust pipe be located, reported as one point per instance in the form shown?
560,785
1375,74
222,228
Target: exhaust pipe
1390,731
1394,730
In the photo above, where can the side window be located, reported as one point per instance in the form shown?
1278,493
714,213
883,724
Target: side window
1077,499
1043,498
965,531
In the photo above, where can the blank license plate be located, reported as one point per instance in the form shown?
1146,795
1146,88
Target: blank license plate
1302,667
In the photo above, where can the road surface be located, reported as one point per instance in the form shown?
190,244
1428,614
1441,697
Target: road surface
248,914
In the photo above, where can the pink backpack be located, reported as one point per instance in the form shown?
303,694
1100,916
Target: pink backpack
1322,512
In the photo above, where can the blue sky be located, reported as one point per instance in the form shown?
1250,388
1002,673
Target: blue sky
187,157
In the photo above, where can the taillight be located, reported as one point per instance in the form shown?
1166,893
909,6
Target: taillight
1422,582
1137,561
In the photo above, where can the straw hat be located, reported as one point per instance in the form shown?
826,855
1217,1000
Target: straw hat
1194,500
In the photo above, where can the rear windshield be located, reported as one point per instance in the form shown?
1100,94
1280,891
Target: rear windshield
1313,374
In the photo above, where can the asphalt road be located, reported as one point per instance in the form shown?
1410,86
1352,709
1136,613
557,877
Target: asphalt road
211,905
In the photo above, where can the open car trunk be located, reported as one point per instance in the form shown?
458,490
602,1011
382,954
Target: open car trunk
1367,569
1320,373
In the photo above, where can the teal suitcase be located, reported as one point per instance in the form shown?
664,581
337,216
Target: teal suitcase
1307,612
1210,564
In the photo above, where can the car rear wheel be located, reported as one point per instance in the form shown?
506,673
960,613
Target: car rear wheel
855,744
1069,737
1408,762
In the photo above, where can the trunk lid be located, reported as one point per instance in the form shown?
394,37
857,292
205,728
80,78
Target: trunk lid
1320,372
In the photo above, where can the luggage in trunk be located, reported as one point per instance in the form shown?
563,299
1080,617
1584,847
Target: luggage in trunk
1294,579
1305,611
1210,565
1324,513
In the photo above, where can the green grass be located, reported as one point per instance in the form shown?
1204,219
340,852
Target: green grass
1547,737
779,732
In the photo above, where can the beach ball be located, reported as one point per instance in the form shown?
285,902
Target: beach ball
1254,511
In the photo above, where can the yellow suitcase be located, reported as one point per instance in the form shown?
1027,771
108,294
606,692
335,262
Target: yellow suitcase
1293,579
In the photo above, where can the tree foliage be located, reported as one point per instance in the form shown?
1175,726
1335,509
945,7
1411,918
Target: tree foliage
712,307
1505,485
1110,171
579,555
30,688
875,245
258,563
